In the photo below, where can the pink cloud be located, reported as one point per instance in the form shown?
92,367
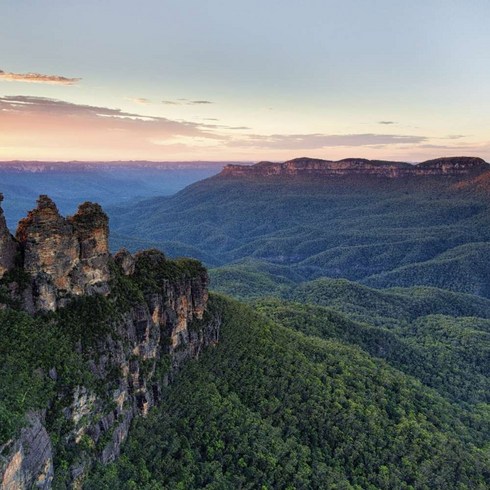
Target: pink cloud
37,78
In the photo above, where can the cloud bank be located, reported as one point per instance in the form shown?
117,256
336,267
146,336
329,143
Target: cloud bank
44,128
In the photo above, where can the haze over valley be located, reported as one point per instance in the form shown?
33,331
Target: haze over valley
104,182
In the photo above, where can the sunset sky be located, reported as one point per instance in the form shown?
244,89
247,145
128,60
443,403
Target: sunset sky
250,80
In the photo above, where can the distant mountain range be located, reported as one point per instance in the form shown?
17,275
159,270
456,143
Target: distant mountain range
78,166
307,218
358,360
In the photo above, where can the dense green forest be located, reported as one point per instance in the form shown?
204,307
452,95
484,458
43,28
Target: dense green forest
271,407
440,337
381,232
308,260
332,385
357,357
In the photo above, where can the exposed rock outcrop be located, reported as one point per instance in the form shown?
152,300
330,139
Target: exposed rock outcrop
125,261
30,464
91,227
64,257
8,246
162,322
453,166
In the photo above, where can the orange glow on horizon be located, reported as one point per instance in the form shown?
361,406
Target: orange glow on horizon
36,128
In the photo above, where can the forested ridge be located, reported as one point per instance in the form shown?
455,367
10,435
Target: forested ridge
309,257
381,232
271,407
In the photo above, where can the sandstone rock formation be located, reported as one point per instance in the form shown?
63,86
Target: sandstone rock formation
91,227
31,458
126,261
141,346
8,246
453,166
64,256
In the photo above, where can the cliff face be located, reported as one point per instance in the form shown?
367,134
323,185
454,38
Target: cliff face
158,320
29,461
8,246
64,257
454,166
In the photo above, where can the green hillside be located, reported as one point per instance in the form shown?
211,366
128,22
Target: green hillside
388,305
358,358
270,407
440,337
383,232
465,268
448,354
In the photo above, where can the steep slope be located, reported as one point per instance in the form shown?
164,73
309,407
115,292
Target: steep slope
445,353
89,342
362,227
8,247
479,183
272,408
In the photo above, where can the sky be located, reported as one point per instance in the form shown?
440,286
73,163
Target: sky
251,80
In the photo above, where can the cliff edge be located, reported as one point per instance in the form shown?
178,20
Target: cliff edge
452,166
129,322
8,246
63,257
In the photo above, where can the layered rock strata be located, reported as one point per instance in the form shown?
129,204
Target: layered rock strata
453,166
8,245
64,257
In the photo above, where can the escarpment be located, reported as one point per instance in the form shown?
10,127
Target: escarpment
8,246
360,167
132,321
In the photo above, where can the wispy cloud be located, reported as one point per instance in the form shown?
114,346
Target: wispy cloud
387,123
37,78
186,102
55,127
456,136
40,127
46,105
139,100
317,141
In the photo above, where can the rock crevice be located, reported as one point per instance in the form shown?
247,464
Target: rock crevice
8,245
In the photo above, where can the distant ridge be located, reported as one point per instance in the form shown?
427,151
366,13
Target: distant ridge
35,166
451,166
